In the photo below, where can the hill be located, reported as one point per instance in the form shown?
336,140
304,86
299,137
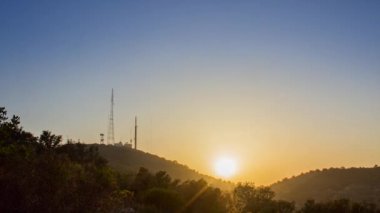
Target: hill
357,184
129,160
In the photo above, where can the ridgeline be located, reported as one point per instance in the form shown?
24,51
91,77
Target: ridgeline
39,173
127,160
356,184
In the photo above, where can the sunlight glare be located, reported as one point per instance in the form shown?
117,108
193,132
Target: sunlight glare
225,167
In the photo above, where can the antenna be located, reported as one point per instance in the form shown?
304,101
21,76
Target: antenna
135,132
110,135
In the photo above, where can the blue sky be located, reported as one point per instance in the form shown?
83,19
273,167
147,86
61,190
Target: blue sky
208,75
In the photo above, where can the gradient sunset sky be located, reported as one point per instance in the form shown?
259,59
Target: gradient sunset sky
282,86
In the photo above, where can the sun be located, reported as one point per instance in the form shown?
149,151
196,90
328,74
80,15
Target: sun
225,167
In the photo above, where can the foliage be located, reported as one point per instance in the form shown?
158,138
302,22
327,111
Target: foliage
124,159
357,184
40,174
37,173
248,198
162,194
341,205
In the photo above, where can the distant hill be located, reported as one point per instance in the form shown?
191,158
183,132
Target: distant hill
356,184
129,160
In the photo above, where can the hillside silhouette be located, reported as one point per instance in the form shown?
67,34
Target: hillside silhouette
40,174
127,160
356,184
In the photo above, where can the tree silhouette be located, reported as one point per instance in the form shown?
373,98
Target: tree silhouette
48,140
248,198
41,174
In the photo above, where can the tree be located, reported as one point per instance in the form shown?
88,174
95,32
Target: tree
164,200
48,140
199,197
3,115
248,198
43,175
340,205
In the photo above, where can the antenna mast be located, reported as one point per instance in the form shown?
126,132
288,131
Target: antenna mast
135,132
110,135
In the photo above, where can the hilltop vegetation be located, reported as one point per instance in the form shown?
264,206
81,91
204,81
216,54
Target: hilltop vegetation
357,184
128,160
40,174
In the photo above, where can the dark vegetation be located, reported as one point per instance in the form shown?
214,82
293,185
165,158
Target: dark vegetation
127,160
357,184
39,174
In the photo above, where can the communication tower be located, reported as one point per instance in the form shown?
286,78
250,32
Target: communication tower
135,132
110,135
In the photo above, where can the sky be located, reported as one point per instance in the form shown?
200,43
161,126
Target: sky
282,87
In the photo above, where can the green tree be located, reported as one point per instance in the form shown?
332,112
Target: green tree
199,197
248,198
164,200
42,174
340,205
48,140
